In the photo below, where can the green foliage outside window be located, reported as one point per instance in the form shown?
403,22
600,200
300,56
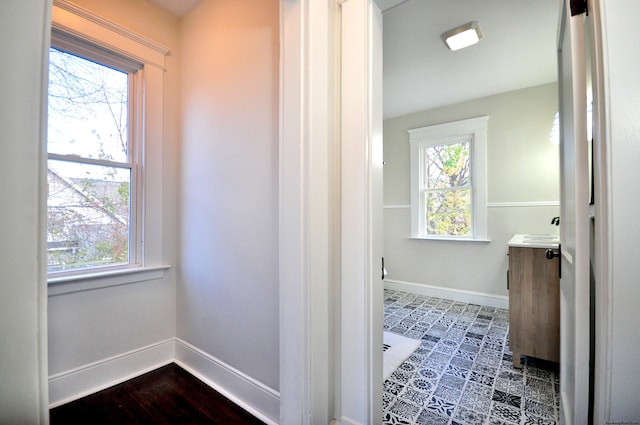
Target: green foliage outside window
447,190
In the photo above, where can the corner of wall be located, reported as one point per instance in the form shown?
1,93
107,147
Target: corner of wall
250,394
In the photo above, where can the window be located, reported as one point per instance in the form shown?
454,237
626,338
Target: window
448,180
105,166
92,166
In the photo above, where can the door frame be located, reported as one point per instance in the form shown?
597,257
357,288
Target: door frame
600,211
305,244
361,248
311,344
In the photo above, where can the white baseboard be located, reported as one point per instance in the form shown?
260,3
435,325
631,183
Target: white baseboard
472,297
248,393
87,379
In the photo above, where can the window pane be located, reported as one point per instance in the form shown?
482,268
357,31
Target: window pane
448,212
88,215
87,108
447,166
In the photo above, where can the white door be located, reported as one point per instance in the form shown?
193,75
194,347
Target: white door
574,221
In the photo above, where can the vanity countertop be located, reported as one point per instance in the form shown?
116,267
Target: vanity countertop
534,241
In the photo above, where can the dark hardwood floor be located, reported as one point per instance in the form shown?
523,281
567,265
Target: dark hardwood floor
168,395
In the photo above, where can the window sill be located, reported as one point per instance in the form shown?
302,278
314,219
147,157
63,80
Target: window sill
60,285
446,239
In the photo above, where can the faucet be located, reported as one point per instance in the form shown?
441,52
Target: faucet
556,221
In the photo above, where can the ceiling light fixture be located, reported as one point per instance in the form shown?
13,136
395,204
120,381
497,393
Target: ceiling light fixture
462,36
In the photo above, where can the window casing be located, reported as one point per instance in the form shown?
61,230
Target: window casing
81,31
448,181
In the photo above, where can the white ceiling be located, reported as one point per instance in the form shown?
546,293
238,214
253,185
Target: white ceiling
517,51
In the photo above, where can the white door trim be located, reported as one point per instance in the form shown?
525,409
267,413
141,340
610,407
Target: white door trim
361,277
602,270
311,347
306,241
293,218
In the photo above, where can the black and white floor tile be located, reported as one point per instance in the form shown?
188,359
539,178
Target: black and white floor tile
463,373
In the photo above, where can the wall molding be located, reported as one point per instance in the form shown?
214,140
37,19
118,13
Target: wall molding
523,204
252,395
93,377
86,25
99,20
492,205
480,298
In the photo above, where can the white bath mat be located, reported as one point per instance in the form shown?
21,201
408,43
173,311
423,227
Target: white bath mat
397,348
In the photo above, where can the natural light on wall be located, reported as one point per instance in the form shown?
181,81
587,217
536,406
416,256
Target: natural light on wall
462,36
554,135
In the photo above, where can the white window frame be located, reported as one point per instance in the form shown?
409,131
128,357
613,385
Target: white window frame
473,130
74,23
135,143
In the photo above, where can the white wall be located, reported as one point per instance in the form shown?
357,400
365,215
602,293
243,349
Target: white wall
227,295
104,326
24,36
622,90
522,168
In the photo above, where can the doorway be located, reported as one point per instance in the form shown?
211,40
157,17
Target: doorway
522,161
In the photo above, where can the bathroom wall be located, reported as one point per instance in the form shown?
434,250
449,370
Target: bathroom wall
523,191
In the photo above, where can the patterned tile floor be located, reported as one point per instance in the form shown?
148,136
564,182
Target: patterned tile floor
462,373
